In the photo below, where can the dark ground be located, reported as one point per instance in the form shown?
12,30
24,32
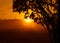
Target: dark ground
11,35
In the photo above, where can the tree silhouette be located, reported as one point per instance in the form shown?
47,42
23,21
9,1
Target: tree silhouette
46,11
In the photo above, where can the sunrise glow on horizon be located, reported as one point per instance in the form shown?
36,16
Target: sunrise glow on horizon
28,20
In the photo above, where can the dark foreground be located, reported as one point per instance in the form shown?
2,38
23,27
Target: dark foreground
17,36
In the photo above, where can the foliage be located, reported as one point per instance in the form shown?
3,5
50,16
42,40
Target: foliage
46,11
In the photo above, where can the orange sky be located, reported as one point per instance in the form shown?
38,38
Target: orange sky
6,11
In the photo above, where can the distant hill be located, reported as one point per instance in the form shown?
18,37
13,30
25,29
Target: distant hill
18,24
10,23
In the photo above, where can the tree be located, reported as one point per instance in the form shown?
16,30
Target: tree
46,11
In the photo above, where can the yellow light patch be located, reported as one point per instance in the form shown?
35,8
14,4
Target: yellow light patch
28,19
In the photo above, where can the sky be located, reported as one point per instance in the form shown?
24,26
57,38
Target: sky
6,10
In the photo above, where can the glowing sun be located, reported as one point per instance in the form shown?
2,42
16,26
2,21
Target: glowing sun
28,19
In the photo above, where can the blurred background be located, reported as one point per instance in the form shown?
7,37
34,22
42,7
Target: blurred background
14,29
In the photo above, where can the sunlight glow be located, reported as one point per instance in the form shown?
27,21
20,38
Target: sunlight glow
28,19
